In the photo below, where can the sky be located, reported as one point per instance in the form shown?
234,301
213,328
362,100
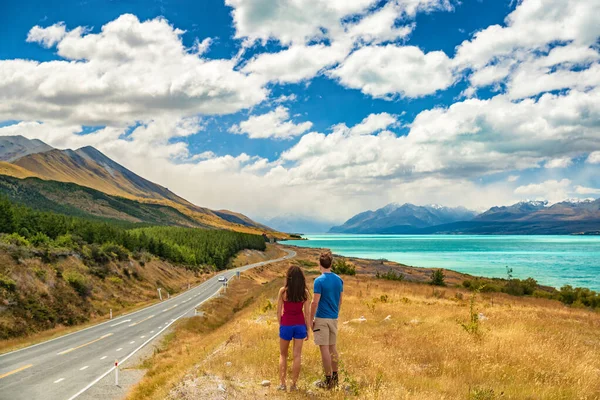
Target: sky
316,109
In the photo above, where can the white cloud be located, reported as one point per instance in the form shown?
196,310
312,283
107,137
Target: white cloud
273,124
288,21
512,178
586,190
370,124
593,158
563,162
551,190
129,71
296,63
544,46
380,26
48,36
384,71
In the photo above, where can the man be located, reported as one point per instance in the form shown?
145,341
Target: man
324,311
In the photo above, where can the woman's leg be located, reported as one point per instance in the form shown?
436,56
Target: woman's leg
297,360
284,346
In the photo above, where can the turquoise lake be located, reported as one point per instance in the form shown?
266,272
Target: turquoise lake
551,260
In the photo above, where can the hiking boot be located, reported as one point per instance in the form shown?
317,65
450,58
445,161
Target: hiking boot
326,384
282,388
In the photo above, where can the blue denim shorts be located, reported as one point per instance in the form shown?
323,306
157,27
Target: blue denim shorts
292,332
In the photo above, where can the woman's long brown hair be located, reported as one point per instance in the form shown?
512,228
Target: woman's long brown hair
295,285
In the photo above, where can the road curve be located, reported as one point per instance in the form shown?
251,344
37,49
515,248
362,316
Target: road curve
65,367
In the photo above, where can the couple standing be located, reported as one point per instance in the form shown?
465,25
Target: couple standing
297,316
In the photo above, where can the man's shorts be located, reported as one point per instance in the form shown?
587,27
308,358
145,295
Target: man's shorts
325,331
292,332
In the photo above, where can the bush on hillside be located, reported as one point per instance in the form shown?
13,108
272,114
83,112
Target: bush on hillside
438,278
390,275
78,282
7,283
341,267
518,287
15,239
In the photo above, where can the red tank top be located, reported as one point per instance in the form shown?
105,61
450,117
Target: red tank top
292,313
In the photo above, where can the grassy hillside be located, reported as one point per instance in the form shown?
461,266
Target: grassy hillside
63,270
41,291
81,201
415,342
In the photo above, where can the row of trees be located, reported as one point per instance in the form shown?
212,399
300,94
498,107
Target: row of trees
193,247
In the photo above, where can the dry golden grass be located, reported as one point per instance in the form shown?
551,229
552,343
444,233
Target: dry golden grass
527,349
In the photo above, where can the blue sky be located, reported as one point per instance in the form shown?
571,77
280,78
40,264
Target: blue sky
316,109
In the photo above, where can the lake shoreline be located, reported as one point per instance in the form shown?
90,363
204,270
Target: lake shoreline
553,261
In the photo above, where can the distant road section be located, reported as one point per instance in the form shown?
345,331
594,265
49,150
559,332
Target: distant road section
65,367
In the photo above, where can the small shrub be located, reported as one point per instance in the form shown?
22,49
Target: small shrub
40,240
115,279
267,306
64,241
306,263
7,283
15,239
438,278
390,275
472,326
481,394
115,251
40,273
341,267
78,282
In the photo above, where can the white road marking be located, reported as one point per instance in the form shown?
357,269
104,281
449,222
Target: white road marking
141,337
102,358
132,342
119,323
119,349
152,332
82,368
59,380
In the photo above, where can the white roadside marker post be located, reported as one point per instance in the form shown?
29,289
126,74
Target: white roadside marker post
168,295
159,295
111,313
116,372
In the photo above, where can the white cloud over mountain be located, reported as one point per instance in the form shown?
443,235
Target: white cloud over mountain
274,124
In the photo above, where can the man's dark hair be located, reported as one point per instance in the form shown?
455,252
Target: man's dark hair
325,260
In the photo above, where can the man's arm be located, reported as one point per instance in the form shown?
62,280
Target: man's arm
313,307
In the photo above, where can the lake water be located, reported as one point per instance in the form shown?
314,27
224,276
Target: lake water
551,260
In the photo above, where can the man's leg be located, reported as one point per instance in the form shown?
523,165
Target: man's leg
334,363
326,358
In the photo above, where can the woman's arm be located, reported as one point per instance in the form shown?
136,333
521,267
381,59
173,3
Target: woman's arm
307,319
280,305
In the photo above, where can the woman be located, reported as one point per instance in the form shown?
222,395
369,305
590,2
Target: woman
292,312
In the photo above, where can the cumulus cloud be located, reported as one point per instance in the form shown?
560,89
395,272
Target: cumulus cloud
551,190
563,162
274,124
129,71
370,124
543,46
593,158
383,71
586,190
48,36
295,64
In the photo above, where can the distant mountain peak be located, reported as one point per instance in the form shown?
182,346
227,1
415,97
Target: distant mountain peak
14,147
401,218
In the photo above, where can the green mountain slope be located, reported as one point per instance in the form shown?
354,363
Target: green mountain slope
81,201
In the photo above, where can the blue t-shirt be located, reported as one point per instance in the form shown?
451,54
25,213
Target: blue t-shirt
330,287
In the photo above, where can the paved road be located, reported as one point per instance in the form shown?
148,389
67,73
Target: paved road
63,368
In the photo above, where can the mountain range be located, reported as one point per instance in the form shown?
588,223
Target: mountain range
400,218
99,186
526,217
